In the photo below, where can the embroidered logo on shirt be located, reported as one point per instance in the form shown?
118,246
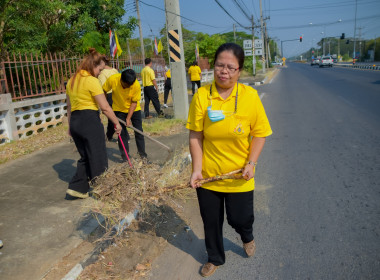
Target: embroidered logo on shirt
239,129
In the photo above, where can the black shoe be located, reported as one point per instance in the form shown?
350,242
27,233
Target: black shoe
161,115
70,197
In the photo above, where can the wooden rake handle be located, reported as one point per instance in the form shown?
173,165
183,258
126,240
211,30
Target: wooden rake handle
147,136
230,175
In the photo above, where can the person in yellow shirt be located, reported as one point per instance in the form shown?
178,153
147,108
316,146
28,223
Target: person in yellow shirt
168,87
107,72
228,128
84,97
195,76
150,89
126,96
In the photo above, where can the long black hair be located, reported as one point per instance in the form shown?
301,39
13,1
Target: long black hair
235,49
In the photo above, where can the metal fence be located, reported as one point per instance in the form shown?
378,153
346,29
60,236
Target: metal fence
28,75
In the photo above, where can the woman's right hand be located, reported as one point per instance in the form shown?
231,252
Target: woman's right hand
118,128
194,179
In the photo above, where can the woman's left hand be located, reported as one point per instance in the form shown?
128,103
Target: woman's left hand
248,172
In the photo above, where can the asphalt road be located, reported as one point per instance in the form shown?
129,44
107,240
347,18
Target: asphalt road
317,195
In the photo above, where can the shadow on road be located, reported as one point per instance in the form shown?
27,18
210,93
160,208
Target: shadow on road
65,169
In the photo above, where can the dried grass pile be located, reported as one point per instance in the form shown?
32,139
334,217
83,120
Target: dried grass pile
121,189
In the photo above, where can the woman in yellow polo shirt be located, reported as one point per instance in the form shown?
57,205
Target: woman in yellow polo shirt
195,76
84,96
228,127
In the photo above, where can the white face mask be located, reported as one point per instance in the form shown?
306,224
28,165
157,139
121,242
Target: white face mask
219,115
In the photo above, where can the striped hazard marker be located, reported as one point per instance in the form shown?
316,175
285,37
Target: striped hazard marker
175,51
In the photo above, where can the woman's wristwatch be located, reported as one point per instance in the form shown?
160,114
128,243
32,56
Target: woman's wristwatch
252,163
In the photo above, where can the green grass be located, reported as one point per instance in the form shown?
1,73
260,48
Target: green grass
163,126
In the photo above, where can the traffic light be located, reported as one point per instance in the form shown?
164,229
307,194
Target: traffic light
342,37
300,38
348,41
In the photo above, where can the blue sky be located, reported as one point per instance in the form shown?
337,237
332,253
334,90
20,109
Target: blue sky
288,19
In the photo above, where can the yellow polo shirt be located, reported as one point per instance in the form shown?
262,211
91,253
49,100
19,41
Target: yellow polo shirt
168,74
83,92
105,74
226,143
147,76
195,73
123,97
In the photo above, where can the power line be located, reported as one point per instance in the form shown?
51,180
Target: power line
242,10
254,9
323,6
220,5
179,15
321,24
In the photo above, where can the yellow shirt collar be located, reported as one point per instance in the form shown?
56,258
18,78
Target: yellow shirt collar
215,93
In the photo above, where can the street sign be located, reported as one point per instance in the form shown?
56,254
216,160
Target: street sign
258,51
248,52
258,44
247,44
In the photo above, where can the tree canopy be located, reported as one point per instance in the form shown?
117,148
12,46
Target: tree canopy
70,26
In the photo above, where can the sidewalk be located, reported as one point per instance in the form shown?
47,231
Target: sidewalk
37,226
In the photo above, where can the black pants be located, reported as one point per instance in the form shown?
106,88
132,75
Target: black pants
193,85
239,210
140,142
110,125
150,93
88,135
168,87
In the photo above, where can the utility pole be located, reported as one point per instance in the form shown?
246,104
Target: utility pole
266,44
234,32
177,59
356,9
374,50
360,42
129,54
140,29
338,48
253,49
262,38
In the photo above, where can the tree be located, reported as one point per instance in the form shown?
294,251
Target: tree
69,26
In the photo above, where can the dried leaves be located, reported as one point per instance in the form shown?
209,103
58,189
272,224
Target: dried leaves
121,188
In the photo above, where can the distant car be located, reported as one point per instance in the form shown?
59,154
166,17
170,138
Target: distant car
326,61
274,63
316,61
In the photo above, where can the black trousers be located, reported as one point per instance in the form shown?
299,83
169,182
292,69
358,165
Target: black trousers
110,125
150,93
240,216
168,87
88,135
140,142
193,85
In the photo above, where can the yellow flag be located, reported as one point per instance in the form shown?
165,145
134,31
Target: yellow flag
119,50
159,47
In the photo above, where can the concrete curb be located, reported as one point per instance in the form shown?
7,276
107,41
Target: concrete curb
74,273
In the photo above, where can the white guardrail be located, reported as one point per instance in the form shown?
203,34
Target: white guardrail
21,119
358,66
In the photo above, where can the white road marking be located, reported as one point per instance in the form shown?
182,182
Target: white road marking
262,95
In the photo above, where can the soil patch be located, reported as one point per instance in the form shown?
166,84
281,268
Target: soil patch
131,254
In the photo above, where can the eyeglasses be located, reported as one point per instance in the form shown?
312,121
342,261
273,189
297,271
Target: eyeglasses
220,67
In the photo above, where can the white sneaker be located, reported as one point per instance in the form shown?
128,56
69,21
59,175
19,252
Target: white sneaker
165,106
